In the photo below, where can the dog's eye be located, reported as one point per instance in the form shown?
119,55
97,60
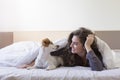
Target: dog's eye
57,46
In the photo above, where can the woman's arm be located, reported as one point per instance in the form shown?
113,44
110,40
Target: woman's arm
94,61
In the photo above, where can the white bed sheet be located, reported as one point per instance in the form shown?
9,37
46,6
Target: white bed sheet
62,73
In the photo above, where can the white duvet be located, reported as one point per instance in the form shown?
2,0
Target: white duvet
19,53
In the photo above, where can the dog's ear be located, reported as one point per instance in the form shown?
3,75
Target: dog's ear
46,42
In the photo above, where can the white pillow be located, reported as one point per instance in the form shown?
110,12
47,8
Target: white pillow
61,42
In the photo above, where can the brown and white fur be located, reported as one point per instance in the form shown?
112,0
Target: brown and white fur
44,59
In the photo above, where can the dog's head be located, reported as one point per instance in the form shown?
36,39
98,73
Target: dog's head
66,55
49,44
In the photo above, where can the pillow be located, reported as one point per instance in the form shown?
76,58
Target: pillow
106,52
61,42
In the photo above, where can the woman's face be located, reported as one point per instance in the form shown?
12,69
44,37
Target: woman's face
76,46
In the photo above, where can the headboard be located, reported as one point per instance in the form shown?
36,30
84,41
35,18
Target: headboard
110,37
6,38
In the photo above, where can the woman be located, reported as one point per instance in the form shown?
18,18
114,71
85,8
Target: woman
82,43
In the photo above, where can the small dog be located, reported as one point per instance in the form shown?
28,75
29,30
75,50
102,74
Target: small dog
44,59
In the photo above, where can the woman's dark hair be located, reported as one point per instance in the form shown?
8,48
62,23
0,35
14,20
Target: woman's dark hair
82,33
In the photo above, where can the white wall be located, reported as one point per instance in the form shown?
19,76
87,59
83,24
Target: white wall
50,15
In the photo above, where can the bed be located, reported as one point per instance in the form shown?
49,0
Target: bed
8,72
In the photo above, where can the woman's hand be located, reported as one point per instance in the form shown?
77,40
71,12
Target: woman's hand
89,40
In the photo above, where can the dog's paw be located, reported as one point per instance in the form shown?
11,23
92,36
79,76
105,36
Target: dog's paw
51,67
28,68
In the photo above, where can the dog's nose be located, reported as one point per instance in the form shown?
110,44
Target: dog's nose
57,46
